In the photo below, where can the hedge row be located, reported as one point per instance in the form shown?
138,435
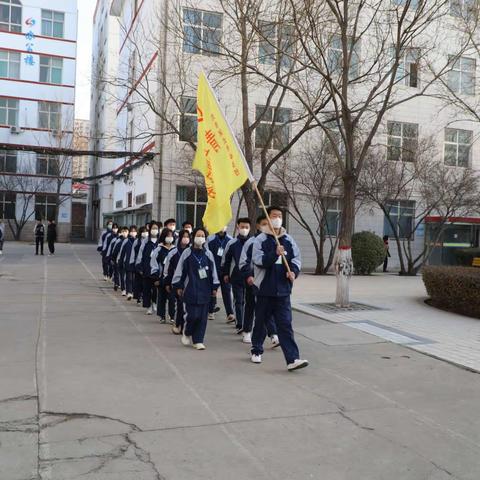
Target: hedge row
454,288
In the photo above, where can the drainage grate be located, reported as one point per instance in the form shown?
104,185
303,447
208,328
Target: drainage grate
354,307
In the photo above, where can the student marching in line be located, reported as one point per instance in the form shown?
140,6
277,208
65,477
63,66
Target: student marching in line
102,247
39,232
149,294
120,259
274,286
246,268
231,275
217,244
2,235
115,247
108,250
196,281
125,256
171,225
158,259
137,278
188,226
171,263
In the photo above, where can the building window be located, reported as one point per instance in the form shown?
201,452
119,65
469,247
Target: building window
188,119
141,199
278,199
8,161
402,141
402,214
48,165
8,112
45,207
9,64
333,211
129,199
7,205
49,115
407,71
191,204
458,144
202,31
461,78
10,15
462,8
272,37
51,70
119,204
53,23
273,129
335,57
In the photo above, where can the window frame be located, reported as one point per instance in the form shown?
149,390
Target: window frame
337,212
49,115
12,5
45,208
456,68
5,201
9,63
49,67
403,139
52,165
52,21
187,116
404,71
335,55
402,206
266,48
458,145
199,204
198,45
5,157
263,111
9,108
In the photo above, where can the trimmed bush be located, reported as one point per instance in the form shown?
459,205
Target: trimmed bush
454,288
368,252
465,256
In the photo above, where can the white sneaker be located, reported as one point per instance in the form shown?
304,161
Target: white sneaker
231,318
124,293
186,340
199,346
176,330
162,320
105,278
297,364
1,252
129,296
154,307
171,320
149,311
211,316
256,358
275,341
247,338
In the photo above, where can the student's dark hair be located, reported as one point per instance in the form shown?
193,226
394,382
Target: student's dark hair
244,220
182,234
164,234
261,218
115,225
132,227
187,223
274,207
153,224
160,224
170,220
200,229
385,237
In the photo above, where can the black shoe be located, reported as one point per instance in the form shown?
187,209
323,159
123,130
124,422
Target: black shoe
115,287
239,330
216,309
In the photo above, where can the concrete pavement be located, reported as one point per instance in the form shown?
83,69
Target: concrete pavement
92,388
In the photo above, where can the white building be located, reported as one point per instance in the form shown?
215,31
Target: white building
149,54
38,44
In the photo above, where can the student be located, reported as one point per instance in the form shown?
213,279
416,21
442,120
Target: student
158,259
2,235
231,274
246,267
188,226
149,294
119,259
39,232
274,286
217,244
171,263
196,281
387,253
108,250
134,256
51,236
115,247
102,248
125,256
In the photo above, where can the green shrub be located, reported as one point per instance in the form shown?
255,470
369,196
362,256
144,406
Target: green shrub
454,288
465,256
368,252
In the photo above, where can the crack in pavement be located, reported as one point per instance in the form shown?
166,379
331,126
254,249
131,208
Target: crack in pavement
24,425
21,398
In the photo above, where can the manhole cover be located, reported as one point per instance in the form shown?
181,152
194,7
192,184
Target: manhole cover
354,307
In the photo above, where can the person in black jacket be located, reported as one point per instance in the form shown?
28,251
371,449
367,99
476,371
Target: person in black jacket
39,232
51,236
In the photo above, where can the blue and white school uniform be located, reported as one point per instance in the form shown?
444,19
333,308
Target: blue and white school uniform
158,259
196,275
149,290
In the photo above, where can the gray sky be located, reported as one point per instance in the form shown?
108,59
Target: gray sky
84,58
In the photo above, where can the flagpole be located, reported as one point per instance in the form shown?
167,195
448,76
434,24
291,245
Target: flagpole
250,174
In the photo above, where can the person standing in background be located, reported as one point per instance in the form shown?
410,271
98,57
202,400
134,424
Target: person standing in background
51,236
2,236
39,232
387,253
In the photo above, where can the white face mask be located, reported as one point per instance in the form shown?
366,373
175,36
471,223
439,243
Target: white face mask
244,231
133,234
172,228
199,241
115,230
189,229
144,234
185,241
169,240
154,233
277,222
109,226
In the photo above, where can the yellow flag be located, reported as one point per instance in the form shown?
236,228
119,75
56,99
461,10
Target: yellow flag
218,158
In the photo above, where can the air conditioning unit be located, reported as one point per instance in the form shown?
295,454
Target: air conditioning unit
15,130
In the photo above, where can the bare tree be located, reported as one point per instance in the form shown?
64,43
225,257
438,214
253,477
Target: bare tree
312,182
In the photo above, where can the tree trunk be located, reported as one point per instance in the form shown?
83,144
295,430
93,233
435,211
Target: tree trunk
320,268
343,257
251,202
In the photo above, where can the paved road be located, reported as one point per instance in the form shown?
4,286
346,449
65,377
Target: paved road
91,388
